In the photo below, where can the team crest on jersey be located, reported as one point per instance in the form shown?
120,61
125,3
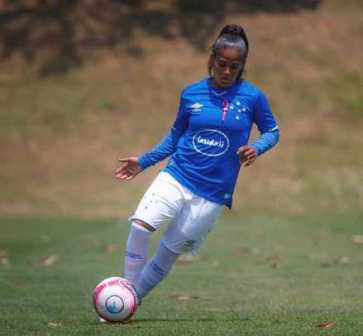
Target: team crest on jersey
210,142
239,109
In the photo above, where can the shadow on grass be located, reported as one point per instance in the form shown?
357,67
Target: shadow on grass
139,322
134,322
61,32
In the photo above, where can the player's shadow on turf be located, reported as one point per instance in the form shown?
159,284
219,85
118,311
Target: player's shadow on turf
139,322
207,319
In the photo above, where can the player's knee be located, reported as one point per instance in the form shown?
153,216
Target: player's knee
142,225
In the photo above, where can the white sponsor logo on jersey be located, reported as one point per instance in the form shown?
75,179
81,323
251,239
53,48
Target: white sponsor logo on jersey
210,142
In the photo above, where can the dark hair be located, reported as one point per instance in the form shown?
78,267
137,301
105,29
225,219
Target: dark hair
234,30
231,36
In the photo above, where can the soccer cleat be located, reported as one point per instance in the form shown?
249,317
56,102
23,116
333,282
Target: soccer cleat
138,300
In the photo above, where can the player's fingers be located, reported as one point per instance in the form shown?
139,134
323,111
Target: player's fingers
122,176
251,156
119,176
249,162
122,171
118,170
246,153
241,150
249,151
241,155
124,160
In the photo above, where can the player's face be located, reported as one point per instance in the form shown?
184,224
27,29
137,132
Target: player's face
226,66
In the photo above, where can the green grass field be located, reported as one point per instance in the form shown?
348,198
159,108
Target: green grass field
256,275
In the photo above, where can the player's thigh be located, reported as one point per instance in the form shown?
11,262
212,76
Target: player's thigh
200,218
161,202
192,226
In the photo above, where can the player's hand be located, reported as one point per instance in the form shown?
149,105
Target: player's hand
247,155
129,168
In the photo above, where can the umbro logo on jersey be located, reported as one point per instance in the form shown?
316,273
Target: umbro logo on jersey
196,106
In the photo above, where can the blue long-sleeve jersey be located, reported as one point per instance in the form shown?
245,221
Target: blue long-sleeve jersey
210,126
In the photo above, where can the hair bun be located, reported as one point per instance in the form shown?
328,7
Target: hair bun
236,30
231,29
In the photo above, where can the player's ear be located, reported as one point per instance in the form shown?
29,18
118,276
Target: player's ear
211,60
211,63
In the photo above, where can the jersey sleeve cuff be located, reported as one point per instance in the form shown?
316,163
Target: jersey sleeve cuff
144,162
258,151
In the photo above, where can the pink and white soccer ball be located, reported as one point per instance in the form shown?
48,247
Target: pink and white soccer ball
115,299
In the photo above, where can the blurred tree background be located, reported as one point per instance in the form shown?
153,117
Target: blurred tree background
64,30
84,82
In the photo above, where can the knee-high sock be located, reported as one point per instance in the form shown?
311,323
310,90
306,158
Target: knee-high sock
136,253
156,270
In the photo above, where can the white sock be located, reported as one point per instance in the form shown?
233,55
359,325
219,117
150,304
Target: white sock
156,270
136,253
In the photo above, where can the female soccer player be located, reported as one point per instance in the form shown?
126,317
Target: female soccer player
208,144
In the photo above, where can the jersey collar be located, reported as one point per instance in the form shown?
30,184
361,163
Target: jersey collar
219,92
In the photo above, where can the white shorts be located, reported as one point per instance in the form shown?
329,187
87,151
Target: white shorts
190,217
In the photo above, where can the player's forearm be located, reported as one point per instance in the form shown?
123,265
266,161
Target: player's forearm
161,151
266,141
